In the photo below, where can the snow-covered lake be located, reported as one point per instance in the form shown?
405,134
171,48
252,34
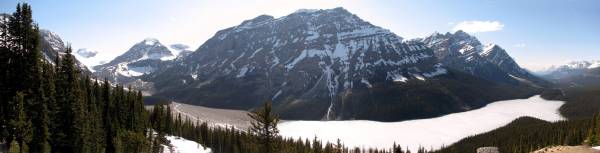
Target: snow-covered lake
429,133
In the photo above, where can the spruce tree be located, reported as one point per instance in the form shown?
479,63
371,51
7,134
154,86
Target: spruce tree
5,89
19,125
25,73
109,131
73,104
265,126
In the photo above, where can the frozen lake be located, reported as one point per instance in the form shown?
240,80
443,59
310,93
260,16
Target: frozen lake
429,133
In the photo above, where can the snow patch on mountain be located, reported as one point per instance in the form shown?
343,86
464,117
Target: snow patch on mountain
594,65
54,39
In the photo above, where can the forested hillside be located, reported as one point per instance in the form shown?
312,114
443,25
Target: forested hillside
529,134
52,108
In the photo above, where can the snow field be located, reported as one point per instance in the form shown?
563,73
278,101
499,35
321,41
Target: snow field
430,133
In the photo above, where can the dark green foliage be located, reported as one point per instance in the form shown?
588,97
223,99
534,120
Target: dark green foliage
581,102
265,126
18,123
23,74
47,107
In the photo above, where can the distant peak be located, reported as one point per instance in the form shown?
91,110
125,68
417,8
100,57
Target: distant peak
150,41
341,9
307,10
263,17
461,33
310,11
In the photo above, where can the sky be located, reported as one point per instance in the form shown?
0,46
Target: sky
536,33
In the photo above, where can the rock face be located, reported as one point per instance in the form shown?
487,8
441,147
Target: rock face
488,150
330,63
465,53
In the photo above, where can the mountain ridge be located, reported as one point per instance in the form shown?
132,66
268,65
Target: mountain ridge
329,62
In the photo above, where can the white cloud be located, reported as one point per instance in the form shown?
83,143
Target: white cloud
521,45
479,26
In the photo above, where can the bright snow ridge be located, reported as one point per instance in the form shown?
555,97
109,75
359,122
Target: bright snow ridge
180,145
429,133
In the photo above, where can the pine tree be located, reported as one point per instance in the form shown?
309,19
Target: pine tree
5,72
73,105
19,125
109,131
265,126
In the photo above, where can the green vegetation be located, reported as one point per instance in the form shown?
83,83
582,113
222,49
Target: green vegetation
49,107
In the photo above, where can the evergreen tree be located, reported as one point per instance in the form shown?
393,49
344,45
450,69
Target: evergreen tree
73,105
108,117
265,126
18,124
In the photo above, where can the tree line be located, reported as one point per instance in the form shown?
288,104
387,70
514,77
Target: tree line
261,137
49,106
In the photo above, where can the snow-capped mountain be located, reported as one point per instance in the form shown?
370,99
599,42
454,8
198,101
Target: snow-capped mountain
571,67
142,58
328,62
466,53
574,73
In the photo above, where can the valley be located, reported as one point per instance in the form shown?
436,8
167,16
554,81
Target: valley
413,134
337,79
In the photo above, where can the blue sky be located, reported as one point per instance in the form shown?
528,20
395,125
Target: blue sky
537,33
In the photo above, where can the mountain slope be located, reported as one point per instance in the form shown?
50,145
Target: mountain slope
464,52
327,62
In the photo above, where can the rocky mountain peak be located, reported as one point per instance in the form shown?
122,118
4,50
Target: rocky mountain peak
309,57
149,48
150,41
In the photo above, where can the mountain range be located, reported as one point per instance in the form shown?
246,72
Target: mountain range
326,65
337,66
573,74
142,58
